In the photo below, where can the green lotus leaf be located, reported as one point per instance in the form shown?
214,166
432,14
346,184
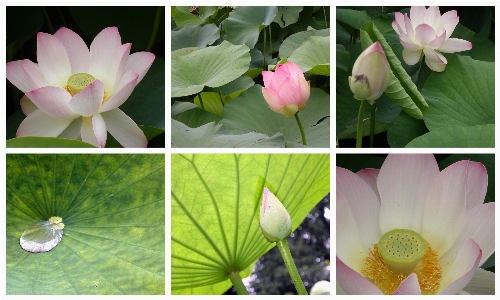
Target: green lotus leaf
212,66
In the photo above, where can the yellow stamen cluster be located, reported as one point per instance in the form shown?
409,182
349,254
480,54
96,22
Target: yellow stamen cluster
428,272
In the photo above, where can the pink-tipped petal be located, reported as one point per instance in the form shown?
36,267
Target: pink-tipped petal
100,131
434,60
87,132
408,44
445,207
125,88
411,57
39,123
118,66
27,106
424,34
88,101
140,62
477,225
402,183
272,81
438,42
352,283
410,32
102,52
370,177
433,17
273,100
409,286
290,91
124,129
455,45
399,24
449,21
477,184
25,75
363,203
53,60
349,245
456,277
77,50
54,101
482,283
417,14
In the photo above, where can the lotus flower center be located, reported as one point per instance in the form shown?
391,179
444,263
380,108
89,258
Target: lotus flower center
399,253
402,250
77,82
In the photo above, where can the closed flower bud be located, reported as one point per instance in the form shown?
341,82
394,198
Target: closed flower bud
371,74
286,90
275,220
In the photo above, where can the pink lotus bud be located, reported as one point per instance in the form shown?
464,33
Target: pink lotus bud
286,90
371,74
275,220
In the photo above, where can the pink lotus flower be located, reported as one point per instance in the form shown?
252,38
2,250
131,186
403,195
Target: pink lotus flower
451,231
428,32
286,90
371,74
74,92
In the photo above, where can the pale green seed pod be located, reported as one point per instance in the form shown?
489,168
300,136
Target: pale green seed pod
275,220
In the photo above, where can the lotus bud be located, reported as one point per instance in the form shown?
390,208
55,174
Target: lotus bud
371,74
286,90
275,220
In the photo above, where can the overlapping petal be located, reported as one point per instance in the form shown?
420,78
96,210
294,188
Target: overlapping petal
352,283
52,59
87,102
409,286
76,49
53,101
444,211
402,184
38,123
363,203
124,129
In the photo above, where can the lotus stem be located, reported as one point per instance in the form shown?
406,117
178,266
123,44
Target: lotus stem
155,28
372,124
237,283
290,265
300,128
359,128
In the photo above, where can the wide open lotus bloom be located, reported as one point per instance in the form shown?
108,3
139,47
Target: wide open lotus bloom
74,92
286,90
371,74
450,230
428,33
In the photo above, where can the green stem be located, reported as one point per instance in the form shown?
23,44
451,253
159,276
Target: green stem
264,53
270,41
61,16
237,283
359,128
372,124
155,28
201,101
220,96
300,128
46,15
290,265
324,13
